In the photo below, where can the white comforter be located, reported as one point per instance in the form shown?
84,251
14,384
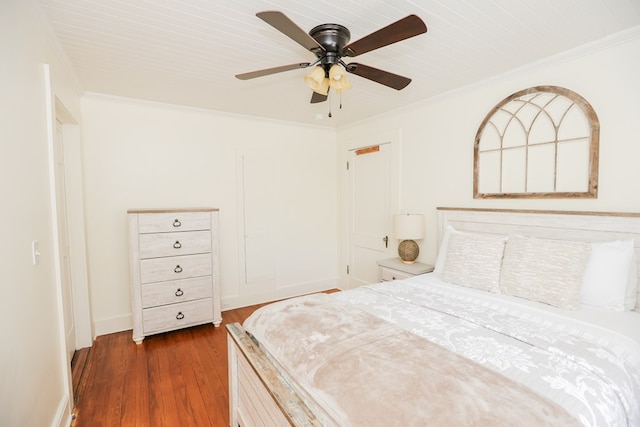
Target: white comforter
575,358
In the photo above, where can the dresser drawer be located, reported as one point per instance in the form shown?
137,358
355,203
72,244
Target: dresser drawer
173,221
175,268
156,245
388,275
177,316
163,293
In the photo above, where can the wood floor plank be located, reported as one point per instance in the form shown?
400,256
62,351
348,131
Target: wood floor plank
177,378
135,401
118,371
189,398
206,369
97,386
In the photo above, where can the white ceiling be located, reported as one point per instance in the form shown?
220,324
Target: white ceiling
187,52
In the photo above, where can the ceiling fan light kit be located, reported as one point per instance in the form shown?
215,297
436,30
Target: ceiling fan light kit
338,80
330,43
317,81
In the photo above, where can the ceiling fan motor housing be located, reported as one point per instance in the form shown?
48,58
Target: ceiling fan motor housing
333,38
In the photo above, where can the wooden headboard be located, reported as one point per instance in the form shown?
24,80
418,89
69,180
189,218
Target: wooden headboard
560,225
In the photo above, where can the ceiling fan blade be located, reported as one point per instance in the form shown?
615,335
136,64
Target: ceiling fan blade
405,28
274,70
282,23
379,76
318,97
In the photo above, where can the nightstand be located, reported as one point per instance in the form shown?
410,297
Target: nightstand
395,269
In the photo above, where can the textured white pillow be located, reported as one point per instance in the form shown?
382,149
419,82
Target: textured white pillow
474,260
442,250
544,270
631,301
610,278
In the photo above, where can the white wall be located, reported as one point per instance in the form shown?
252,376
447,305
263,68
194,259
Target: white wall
437,135
34,374
145,155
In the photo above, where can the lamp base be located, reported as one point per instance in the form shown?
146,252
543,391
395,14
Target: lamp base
408,251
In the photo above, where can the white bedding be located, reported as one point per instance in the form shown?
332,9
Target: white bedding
586,360
624,325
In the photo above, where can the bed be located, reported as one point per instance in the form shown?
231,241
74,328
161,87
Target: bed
529,318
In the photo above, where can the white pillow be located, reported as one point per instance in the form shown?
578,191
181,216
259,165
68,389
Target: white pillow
442,251
544,270
631,298
610,278
474,260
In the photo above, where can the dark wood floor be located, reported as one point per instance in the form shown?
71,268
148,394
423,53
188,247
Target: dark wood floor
172,379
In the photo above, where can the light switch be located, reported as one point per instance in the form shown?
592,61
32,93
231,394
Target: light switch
35,252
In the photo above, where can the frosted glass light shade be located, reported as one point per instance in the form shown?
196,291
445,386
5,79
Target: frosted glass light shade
340,86
315,76
323,87
317,81
335,72
338,79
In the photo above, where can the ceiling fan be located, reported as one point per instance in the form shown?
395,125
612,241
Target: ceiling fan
330,43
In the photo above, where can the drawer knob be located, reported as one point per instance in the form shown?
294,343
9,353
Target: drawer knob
179,292
177,223
180,316
178,269
177,244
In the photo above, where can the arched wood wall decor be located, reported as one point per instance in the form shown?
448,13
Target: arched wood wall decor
540,142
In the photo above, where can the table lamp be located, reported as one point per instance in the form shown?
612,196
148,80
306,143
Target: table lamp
408,228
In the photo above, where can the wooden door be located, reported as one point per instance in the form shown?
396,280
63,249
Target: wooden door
369,217
63,244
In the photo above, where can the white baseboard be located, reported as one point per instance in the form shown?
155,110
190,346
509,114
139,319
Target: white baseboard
63,415
114,324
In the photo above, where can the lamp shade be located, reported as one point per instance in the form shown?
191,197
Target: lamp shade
317,81
408,226
322,88
316,75
336,72
338,79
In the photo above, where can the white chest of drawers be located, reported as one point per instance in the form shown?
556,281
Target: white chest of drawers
173,258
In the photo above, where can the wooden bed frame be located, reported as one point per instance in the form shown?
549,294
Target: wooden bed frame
260,396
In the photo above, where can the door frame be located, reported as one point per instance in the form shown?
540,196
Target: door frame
55,111
367,139
74,197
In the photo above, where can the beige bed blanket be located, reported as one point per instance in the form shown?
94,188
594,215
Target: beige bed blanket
364,371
